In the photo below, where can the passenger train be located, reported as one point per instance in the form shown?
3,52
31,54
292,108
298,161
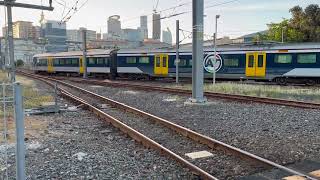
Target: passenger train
282,63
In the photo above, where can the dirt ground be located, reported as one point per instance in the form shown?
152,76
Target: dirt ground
34,127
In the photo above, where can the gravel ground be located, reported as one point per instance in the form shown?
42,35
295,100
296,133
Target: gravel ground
282,134
225,169
77,145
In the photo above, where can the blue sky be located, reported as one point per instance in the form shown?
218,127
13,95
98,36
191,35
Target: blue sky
237,18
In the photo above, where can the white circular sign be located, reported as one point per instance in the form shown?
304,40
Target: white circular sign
209,63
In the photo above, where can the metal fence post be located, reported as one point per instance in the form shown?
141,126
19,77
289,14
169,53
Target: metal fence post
20,146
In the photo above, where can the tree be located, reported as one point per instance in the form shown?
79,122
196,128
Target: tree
304,26
19,63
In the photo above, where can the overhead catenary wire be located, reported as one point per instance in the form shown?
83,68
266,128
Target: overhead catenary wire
76,9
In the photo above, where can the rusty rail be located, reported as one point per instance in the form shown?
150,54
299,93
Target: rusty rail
212,143
134,134
233,97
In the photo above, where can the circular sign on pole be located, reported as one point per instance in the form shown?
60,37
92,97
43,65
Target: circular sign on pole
209,63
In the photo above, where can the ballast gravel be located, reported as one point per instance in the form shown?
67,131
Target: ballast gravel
282,134
78,145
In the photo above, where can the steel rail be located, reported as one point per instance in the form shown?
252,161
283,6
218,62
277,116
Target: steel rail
233,97
210,142
134,134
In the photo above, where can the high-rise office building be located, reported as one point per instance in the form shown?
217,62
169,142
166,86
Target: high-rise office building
73,35
99,36
91,35
114,25
55,34
144,26
23,30
156,26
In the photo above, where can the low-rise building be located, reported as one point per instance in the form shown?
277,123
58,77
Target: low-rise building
132,35
75,35
167,36
24,49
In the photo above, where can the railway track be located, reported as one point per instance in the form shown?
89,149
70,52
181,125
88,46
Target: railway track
232,97
170,139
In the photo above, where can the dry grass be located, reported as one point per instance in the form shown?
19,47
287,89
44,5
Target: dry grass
32,97
272,91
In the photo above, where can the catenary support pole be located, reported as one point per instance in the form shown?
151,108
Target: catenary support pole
215,51
84,49
10,43
20,146
197,51
177,50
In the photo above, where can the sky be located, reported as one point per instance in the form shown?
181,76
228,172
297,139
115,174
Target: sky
236,18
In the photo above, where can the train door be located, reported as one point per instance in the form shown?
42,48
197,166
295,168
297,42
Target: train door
261,64
256,64
50,65
81,69
161,64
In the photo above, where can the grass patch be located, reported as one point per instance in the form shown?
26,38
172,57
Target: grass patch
272,91
32,96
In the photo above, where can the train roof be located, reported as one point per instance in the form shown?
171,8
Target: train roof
91,52
231,47
220,48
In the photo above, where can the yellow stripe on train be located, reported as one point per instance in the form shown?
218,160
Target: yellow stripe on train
50,65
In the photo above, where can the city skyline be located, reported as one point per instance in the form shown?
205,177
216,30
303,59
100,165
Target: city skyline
130,15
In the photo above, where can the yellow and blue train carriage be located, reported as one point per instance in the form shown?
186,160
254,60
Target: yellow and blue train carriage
98,62
272,62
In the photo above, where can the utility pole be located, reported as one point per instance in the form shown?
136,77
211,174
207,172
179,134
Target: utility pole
282,34
9,4
18,99
197,51
84,50
215,51
10,42
177,50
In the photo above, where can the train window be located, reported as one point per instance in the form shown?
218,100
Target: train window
231,62
164,61
43,62
75,61
68,61
56,61
92,61
158,64
251,61
131,60
144,60
190,62
61,61
100,61
260,60
183,62
283,58
107,60
307,58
